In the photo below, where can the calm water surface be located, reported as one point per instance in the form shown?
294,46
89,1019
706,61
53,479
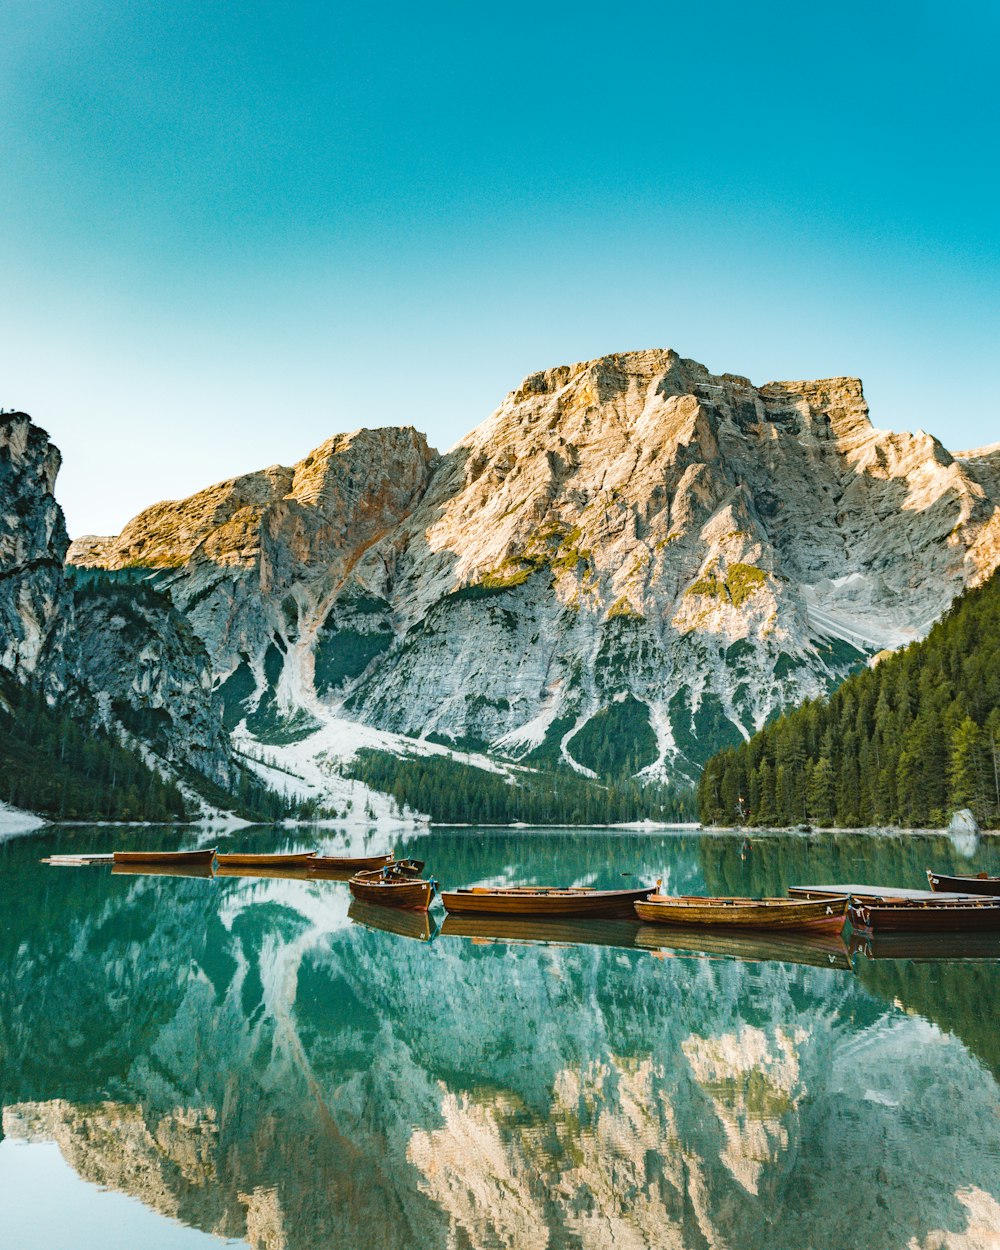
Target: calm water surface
184,1061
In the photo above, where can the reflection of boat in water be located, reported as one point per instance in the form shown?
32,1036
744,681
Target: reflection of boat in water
404,923
823,915
566,931
394,885
293,872
819,950
143,869
981,883
922,947
542,901
345,866
167,859
239,859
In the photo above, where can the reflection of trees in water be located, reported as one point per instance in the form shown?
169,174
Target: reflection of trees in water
262,1066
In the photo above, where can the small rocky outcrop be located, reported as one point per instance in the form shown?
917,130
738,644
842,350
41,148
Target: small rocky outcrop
151,675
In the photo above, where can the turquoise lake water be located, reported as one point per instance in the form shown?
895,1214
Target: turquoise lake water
191,1062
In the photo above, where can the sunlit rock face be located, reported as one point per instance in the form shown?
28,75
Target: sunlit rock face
630,529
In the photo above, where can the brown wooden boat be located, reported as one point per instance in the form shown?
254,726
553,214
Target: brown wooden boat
542,901
937,914
541,930
981,883
393,885
819,916
238,859
415,925
785,946
345,866
167,858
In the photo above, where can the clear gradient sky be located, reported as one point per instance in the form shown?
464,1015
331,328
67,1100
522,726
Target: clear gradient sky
229,229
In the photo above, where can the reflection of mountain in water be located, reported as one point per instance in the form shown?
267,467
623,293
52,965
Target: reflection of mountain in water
239,1055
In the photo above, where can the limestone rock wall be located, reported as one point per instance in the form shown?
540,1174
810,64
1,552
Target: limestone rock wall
627,530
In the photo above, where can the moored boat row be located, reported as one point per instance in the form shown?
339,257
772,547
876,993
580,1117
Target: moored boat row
952,904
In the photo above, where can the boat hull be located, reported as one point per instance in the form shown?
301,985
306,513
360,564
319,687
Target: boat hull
408,895
941,883
925,916
554,903
345,867
167,858
776,914
239,860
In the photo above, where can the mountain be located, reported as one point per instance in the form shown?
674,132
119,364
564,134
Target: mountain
903,743
630,564
104,686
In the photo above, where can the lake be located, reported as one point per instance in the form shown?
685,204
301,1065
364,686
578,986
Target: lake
192,1062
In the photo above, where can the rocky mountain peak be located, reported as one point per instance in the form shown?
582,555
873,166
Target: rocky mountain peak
631,533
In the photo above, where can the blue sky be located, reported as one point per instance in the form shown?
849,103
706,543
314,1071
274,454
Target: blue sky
231,229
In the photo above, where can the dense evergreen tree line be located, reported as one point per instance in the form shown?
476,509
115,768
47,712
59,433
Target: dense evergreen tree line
56,765
449,791
903,743
250,798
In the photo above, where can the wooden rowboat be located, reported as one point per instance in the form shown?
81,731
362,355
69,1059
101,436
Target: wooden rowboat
938,914
820,916
542,901
392,886
981,883
297,859
167,858
346,866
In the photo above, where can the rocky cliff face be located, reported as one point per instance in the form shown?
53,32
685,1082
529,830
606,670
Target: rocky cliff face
631,539
119,654
33,543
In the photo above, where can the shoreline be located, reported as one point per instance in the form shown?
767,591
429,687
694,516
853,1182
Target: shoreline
16,823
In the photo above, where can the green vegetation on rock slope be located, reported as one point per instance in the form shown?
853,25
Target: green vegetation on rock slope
55,762
903,743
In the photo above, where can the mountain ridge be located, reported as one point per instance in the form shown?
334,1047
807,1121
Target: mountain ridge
628,528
